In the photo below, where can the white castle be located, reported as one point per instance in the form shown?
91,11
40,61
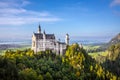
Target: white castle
42,41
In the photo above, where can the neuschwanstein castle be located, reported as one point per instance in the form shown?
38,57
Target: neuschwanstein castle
42,41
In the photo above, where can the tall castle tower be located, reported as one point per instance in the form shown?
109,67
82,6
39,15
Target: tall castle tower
39,29
67,39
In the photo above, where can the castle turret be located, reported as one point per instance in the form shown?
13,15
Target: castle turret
81,46
44,40
67,39
39,29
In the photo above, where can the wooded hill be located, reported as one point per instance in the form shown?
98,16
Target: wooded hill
76,64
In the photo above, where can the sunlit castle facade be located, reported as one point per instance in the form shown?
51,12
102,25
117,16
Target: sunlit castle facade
42,41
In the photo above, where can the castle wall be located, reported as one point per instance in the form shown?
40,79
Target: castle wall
40,43
43,44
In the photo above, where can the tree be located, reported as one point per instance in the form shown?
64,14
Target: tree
40,77
28,74
48,76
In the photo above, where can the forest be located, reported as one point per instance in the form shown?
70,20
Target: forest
75,64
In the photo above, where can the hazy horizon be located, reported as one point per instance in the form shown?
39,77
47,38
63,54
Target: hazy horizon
79,40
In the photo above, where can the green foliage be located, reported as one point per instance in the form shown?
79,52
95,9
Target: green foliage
25,65
28,74
40,77
99,57
114,51
7,68
76,64
93,48
48,76
86,67
112,62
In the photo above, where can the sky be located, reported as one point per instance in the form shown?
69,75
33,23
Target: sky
96,19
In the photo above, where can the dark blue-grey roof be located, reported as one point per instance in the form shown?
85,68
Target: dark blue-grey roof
47,36
38,35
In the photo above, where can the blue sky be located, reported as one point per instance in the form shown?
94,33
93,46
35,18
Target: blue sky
79,18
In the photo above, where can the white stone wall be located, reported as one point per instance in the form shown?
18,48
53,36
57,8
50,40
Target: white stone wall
62,48
43,44
33,43
57,48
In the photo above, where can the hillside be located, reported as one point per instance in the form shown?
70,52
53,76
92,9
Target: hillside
8,46
112,62
102,51
115,39
76,64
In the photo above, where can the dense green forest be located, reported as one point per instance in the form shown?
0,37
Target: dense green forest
112,62
75,64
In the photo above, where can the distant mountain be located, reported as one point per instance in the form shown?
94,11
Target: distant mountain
8,46
115,39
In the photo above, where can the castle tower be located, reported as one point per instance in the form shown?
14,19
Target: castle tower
44,40
44,32
81,46
67,39
39,29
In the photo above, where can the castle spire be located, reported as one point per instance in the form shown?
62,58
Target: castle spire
44,32
39,29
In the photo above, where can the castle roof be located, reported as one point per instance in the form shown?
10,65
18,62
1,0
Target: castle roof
47,36
38,35
50,36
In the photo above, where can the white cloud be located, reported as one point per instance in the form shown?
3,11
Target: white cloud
115,2
25,20
115,6
14,13
14,3
24,3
